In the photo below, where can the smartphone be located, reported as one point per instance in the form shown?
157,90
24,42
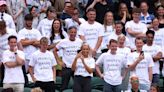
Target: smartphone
78,51
142,52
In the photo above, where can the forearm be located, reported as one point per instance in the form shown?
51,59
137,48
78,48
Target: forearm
150,74
133,66
19,13
98,70
74,64
92,5
54,73
19,60
89,70
26,42
57,56
31,72
11,64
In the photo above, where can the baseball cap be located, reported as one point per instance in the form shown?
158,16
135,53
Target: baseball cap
2,2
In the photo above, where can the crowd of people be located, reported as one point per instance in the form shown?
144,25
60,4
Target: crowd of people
120,41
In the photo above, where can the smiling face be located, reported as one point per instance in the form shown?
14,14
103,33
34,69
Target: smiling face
85,50
56,25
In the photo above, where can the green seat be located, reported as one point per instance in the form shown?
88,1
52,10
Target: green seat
27,89
58,83
95,90
68,90
97,83
70,84
1,88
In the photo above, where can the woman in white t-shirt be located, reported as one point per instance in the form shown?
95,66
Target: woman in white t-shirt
108,28
83,66
57,33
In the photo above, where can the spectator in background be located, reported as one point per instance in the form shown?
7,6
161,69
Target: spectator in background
140,61
145,17
70,46
108,28
42,67
156,52
154,88
101,7
16,9
134,81
29,38
91,32
160,15
68,10
82,6
83,67
123,15
47,22
57,34
135,28
74,20
13,59
6,17
34,12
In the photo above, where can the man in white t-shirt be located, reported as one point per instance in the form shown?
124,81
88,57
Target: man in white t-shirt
42,67
141,64
74,21
45,25
156,53
112,63
13,59
70,46
29,37
6,17
135,28
92,32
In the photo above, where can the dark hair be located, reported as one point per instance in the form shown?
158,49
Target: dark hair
155,86
91,9
12,37
67,3
139,38
60,31
157,10
28,17
118,22
72,27
136,10
150,32
112,41
2,23
30,9
51,9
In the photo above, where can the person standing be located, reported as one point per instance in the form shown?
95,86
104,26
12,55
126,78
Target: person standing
42,67
112,63
83,67
70,47
13,59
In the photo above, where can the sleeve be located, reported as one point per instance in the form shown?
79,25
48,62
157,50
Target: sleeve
66,23
124,61
127,25
81,30
20,35
12,24
39,28
65,34
101,31
129,60
60,45
92,63
144,28
150,60
21,55
100,60
39,36
32,60
5,57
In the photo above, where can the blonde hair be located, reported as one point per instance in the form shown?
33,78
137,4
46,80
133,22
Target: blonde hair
38,89
127,11
105,20
43,40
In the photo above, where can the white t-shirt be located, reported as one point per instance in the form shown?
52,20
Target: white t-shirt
4,40
70,22
13,75
115,37
112,65
45,27
141,69
106,35
124,51
9,20
70,49
30,35
153,50
140,91
159,39
91,32
43,63
80,69
136,27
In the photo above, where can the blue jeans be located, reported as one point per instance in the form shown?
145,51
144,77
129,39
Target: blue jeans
111,88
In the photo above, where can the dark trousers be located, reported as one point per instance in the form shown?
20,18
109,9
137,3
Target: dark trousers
46,86
82,84
66,75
